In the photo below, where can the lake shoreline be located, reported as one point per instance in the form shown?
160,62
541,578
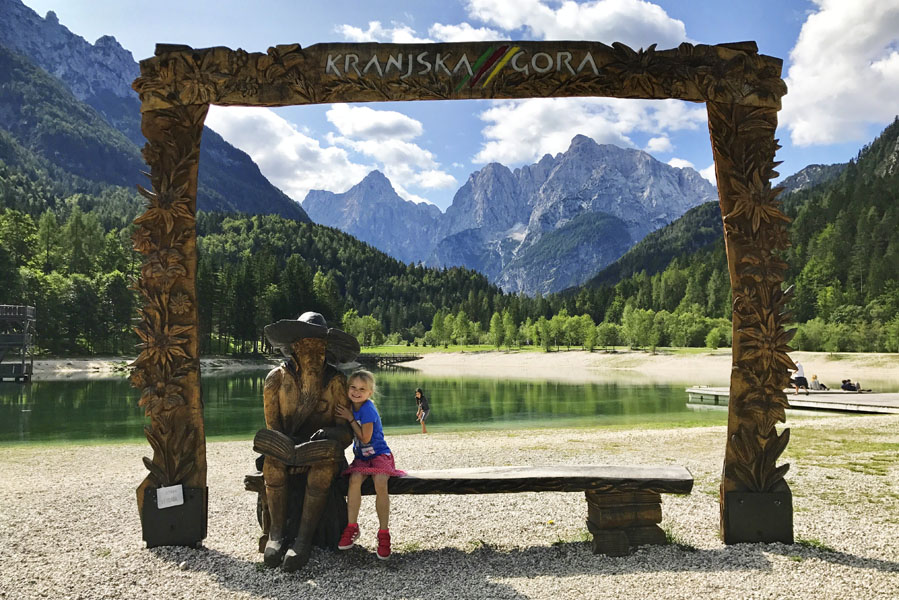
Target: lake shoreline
692,367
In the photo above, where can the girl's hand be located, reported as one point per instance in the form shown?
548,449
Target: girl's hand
344,412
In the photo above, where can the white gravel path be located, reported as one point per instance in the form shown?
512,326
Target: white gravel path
69,526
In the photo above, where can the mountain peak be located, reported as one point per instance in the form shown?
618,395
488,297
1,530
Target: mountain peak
581,139
88,70
375,183
375,176
107,41
373,212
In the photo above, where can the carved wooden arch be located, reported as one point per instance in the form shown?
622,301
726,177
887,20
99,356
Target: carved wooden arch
742,91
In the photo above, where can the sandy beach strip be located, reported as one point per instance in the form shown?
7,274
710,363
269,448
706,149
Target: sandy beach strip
700,367
69,526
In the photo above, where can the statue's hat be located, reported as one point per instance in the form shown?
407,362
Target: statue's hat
341,346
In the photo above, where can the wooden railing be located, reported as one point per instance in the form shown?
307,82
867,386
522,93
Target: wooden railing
12,310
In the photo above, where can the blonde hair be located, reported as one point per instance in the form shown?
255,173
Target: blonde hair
365,376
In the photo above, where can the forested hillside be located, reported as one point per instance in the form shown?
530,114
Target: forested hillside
69,253
844,259
71,256
66,248
40,113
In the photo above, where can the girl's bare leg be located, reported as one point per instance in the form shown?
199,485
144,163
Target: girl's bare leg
354,497
382,499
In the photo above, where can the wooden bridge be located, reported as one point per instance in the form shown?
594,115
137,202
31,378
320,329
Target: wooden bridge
383,361
16,342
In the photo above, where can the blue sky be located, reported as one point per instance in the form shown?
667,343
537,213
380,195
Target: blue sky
841,63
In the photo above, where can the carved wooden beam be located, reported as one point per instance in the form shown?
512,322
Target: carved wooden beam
291,75
741,88
755,231
167,370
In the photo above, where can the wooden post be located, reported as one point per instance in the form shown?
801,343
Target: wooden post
167,370
756,503
621,520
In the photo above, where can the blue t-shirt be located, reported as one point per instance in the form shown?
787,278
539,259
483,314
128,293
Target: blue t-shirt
367,413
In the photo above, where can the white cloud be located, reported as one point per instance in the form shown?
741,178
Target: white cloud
435,179
845,72
404,163
660,143
296,162
367,123
463,32
709,173
521,131
291,160
398,155
385,136
680,163
398,34
633,22
406,195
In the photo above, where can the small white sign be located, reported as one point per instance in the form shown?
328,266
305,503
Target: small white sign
167,497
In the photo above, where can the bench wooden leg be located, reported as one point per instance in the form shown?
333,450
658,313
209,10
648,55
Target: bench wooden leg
619,521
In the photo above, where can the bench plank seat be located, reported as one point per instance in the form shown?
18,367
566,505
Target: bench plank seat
624,502
504,480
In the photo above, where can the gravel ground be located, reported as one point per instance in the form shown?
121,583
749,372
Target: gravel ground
69,526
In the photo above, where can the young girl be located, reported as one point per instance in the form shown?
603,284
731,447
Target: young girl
372,457
424,408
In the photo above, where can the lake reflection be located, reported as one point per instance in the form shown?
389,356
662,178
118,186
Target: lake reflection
97,410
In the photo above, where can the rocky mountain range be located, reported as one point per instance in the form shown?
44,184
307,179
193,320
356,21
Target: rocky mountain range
373,212
540,228
809,177
99,76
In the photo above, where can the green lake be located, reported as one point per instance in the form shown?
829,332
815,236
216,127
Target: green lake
99,410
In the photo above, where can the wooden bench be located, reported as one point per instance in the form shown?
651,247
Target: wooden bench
624,503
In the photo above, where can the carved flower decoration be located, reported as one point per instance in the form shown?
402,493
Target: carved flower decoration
163,346
768,269
165,267
138,377
767,342
161,396
151,153
765,400
755,202
142,238
179,304
641,70
237,60
166,206
159,80
247,86
200,81
772,237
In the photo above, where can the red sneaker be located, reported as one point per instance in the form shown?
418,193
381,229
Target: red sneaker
349,537
383,544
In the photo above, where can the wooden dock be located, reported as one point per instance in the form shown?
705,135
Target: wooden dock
385,361
835,400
